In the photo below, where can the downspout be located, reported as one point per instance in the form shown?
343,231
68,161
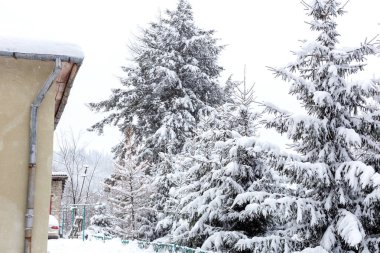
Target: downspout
33,156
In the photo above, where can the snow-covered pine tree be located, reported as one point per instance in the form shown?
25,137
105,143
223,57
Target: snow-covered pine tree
336,205
165,197
128,194
241,117
218,165
173,79
237,115
101,221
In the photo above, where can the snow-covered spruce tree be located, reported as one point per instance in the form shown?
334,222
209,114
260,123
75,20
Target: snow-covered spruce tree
336,204
235,114
177,175
238,112
219,164
173,81
174,78
128,194
101,221
165,195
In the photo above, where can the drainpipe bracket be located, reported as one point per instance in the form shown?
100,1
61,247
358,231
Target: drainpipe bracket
29,218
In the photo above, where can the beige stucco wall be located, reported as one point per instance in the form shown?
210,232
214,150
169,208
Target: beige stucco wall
20,81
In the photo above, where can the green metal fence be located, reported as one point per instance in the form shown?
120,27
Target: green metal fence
158,247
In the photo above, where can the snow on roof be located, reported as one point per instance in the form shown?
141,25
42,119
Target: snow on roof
59,174
39,49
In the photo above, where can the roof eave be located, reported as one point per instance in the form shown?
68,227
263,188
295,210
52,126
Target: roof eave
63,93
65,84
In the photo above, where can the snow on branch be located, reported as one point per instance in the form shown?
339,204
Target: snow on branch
309,174
373,197
349,228
272,108
356,54
349,136
317,249
329,239
220,240
281,207
356,174
322,98
262,244
298,82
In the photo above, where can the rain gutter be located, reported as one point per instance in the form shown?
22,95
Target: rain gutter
33,155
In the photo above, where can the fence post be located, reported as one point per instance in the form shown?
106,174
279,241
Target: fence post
84,222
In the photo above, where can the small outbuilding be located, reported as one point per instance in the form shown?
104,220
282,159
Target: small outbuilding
58,181
35,81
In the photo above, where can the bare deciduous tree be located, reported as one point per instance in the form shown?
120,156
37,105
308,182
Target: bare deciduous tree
80,165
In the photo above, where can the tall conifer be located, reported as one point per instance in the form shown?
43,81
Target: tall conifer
336,204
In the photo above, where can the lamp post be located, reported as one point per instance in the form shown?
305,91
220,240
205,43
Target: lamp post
84,178
84,206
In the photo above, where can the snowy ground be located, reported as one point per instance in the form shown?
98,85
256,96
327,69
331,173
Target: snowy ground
78,246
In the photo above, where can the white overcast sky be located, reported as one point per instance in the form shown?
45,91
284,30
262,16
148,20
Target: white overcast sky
257,33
